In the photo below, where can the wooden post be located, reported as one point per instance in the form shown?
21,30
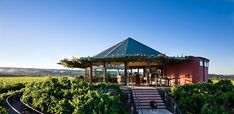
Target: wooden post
117,71
148,72
94,72
85,73
91,74
164,69
144,71
104,73
126,73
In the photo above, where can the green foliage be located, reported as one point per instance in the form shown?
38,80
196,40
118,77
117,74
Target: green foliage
3,96
205,98
217,79
3,109
88,61
7,89
64,96
23,79
10,85
210,81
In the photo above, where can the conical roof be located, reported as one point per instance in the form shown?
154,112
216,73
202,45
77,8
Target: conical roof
128,47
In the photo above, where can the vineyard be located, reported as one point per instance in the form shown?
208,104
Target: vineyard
64,95
11,85
70,95
20,79
205,98
215,80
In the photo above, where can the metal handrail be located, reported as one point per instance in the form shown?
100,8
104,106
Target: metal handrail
13,108
30,107
138,103
167,96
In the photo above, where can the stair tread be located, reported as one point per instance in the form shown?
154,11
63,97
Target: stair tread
148,97
143,96
144,90
148,107
138,92
146,94
147,103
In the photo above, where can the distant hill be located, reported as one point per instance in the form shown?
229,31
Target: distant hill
220,76
7,71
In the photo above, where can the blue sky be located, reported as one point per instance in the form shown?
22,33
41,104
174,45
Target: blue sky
38,33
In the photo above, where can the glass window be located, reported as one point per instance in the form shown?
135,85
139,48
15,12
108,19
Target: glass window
201,63
187,76
206,64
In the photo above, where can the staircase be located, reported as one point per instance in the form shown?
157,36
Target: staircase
143,95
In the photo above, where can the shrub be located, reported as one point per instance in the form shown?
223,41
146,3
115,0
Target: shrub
62,96
205,98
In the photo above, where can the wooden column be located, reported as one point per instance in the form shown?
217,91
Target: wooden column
117,71
164,69
125,73
144,71
91,74
148,72
85,73
104,73
94,73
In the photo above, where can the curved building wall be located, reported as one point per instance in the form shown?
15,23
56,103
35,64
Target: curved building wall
189,72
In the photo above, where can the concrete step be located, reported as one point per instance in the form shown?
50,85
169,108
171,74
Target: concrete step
147,104
145,89
134,91
147,101
148,107
143,96
148,98
142,92
146,95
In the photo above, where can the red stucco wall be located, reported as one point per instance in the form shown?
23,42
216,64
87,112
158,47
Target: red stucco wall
192,69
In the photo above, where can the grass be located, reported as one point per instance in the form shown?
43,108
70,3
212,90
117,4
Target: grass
11,80
25,79
215,80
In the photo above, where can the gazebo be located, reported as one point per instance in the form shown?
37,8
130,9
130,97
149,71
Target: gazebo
130,54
